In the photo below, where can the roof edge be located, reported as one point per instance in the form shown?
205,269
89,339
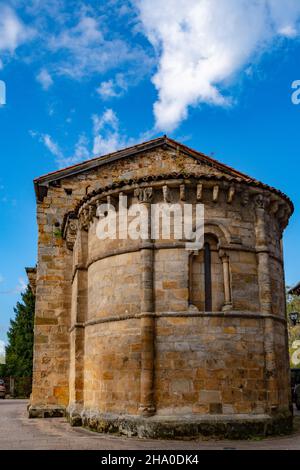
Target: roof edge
42,183
85,165
295,290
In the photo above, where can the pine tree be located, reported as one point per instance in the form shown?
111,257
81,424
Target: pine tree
19,351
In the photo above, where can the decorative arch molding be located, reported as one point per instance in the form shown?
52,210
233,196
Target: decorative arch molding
217,229
216,237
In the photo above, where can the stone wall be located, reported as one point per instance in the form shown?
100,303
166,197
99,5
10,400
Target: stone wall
210,365
112,367
120,325
114,286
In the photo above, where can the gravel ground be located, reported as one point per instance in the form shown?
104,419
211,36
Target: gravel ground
19,432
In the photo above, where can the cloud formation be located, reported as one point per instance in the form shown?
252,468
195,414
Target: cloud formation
52,146
75,39
106,138
45,79
201,44
113,88
18,289
80,154
13,31
21,286
84,49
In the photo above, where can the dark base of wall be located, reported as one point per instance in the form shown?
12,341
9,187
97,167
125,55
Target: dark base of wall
162,427
46,411
159,427
73,415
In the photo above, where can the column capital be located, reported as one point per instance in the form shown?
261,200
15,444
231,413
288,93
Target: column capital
144,195
223,256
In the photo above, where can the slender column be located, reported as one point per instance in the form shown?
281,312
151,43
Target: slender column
147,405
265,297
226,276
77,334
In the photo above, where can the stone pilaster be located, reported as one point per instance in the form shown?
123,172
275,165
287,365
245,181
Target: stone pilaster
262,250
147,405
265,297
77,332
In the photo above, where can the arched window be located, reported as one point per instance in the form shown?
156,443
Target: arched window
206,277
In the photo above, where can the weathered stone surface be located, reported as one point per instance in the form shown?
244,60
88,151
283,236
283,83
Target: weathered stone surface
121,327
46,411
228,427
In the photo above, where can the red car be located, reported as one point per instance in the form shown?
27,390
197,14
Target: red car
2,389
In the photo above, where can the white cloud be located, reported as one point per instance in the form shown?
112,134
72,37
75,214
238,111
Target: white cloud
52,146
18,289
113,88
45,79
288,31
13,31
81,150
201,44
285,16
75,39
107,119
21,286
85,33
107,137
49,143
81,153
1,279
85,50
107,89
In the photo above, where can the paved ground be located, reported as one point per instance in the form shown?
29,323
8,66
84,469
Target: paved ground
19,432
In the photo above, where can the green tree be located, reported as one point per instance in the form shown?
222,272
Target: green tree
293,305
19,351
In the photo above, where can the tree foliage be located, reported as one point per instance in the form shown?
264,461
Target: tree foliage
19,351
293,305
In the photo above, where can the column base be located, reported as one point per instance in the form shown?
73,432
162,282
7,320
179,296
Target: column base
227,308
47,411
73,415
167,427
147,411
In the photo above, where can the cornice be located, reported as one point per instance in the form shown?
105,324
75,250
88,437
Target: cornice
259,196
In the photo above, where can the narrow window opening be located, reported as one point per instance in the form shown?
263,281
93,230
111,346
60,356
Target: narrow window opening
207,278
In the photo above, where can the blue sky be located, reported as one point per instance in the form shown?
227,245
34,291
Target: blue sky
87,78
